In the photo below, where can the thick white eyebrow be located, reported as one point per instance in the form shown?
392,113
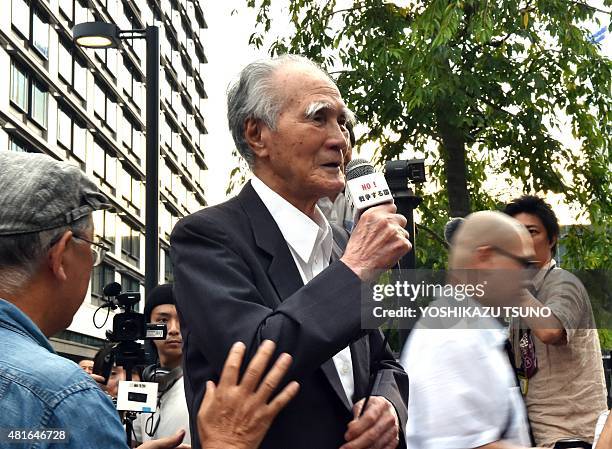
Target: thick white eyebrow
317,106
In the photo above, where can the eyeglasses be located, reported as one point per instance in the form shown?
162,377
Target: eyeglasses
528,264
97,249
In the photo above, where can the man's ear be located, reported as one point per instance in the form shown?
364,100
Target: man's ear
254,135
56,258
553,243
482,256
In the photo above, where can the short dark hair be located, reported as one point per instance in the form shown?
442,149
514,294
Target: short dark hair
531,204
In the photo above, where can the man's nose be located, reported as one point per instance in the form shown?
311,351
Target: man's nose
337,138
173,327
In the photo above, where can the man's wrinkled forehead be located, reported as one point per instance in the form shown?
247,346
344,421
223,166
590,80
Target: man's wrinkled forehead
316,107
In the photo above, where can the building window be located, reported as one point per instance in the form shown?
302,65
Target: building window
111,114
64,129
102,275
99,101
131,190
20,17
18,146
130,245
108,58
165,222
168,269
66,8
19,87
40,35
70,134
105,166
79,141
30,24
79,81
131,138
104,107
130,284
105,223
64,62
29,95
81,13
71,70
39,104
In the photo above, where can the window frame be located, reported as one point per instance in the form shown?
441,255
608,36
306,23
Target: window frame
32,83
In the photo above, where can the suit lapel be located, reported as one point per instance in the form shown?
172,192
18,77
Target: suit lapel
360,354
329,368
282,270
330,371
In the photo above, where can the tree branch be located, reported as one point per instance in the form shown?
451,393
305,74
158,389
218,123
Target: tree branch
433,234
338,11
591,7
341,71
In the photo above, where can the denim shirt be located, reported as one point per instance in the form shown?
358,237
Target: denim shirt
41,390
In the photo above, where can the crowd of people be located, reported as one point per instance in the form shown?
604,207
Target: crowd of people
279,273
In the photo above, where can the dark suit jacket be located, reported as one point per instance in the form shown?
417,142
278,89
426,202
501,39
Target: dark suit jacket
236,280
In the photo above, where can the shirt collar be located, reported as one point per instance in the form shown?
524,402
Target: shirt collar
538,279
12,318
300,231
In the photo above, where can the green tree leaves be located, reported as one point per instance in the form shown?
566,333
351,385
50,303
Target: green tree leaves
486,89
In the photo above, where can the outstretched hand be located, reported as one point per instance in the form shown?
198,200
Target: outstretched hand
237,415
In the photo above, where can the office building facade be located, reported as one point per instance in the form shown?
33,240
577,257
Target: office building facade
88,107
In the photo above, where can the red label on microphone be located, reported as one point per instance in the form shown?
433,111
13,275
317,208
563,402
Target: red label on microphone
369,190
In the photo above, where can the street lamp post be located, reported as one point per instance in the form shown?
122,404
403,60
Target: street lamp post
107,35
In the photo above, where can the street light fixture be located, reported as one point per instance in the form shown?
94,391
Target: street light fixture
97,35
102,35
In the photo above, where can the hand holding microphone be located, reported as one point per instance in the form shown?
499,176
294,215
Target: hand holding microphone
379,239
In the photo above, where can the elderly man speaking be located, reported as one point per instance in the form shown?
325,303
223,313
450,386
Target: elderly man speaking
267,265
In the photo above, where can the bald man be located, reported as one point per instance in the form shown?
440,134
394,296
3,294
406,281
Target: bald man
463,392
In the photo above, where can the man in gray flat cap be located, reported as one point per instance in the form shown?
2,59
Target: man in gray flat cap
46,256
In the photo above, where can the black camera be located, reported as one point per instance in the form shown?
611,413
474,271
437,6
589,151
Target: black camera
398,173
129,325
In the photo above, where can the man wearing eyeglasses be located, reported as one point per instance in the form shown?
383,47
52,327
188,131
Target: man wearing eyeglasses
559,362
46,257
462,391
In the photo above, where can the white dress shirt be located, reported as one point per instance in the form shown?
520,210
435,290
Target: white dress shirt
310,243
463,392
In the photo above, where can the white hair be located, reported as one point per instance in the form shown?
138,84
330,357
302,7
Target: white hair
254,96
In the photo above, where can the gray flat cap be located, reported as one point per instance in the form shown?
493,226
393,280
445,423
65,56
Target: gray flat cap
38,193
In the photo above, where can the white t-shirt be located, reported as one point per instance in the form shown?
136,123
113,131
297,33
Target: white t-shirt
462,389
172,416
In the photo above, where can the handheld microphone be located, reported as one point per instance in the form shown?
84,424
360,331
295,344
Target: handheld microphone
112,289
365,188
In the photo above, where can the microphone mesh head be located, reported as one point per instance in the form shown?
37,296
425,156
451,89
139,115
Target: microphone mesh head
450,228
357,168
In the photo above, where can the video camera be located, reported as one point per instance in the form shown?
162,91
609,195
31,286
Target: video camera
128,327
399,173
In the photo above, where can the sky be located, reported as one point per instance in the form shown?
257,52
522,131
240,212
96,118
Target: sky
230,23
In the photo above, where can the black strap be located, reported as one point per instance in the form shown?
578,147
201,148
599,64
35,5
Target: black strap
572,445
510,355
